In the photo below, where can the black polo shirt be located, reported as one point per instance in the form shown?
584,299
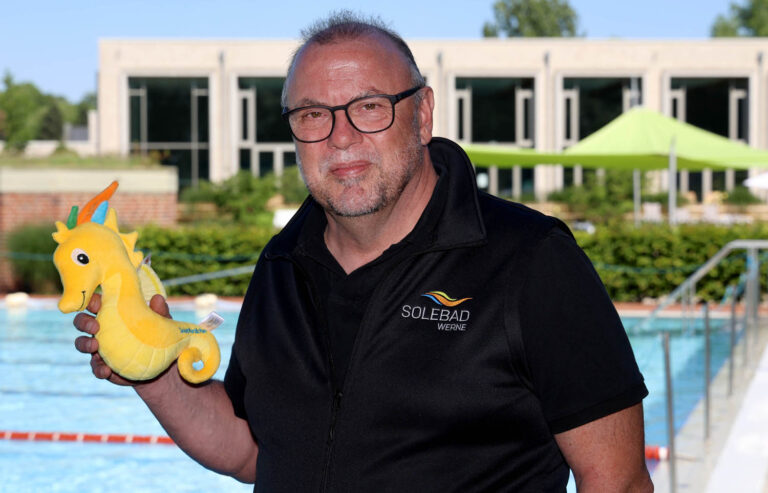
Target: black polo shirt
487,332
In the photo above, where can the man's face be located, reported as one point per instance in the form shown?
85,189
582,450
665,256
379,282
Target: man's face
351,173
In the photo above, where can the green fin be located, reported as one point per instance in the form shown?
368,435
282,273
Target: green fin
72,219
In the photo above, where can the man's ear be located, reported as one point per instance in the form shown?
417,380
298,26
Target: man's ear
426,109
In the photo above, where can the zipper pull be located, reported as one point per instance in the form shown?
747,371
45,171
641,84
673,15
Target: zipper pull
336,404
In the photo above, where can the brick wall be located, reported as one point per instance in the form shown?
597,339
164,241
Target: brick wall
18,209
42,198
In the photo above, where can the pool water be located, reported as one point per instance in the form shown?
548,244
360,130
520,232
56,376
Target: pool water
687,365
46,385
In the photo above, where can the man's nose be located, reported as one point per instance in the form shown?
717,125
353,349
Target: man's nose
344,134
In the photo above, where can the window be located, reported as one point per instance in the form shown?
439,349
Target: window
500,110
169,120
597,101
719,105
263,136
491,106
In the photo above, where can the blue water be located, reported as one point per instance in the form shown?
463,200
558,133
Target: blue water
687,365
46,385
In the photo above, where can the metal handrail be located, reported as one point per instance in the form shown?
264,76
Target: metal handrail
688,286
685,292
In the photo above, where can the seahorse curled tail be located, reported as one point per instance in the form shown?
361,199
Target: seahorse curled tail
202,347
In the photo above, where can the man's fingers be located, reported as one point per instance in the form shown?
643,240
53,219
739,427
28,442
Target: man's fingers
95,304
86,344
99,368
158,304
86,323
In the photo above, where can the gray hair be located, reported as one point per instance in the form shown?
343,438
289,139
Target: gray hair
347,25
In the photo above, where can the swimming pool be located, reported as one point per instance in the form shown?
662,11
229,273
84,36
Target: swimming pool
45,385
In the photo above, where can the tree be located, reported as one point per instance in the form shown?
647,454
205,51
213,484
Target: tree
87,103
26,113
24,106
2,125
52,123
532,18
747,19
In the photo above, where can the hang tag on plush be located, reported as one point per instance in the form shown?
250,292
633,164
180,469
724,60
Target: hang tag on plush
211,321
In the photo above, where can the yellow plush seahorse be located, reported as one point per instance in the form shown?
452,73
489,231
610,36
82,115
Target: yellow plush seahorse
134,341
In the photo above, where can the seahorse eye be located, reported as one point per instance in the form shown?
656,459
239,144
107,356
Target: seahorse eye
80,257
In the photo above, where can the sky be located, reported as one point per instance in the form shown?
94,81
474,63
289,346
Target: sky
54,43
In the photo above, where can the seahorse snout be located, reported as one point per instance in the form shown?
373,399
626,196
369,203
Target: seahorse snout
73,301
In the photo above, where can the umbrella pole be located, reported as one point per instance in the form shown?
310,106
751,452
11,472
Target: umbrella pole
636,195
672,184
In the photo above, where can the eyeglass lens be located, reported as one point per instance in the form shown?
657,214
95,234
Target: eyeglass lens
371,114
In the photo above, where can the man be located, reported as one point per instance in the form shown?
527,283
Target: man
405,332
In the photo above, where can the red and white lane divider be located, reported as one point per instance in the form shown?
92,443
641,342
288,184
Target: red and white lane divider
47,436
655,452
652,452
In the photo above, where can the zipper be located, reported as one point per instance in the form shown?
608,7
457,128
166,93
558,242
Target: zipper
336,393
329,442
339,393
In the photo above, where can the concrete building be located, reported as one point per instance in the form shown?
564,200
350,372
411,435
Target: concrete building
213,107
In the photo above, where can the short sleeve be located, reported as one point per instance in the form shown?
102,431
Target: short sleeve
578,355
234,384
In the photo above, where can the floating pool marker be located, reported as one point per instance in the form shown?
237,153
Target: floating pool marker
655,452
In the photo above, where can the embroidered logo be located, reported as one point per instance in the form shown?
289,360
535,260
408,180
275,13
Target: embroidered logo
448,317
443,299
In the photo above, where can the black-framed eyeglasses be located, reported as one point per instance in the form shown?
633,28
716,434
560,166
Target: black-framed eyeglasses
368,114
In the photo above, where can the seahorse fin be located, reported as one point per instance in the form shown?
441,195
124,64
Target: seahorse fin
149,280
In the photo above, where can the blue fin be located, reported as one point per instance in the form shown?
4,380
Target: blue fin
100,214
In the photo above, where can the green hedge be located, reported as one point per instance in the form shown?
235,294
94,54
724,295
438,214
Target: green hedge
197,249
30,251
175,253
652,260
634,263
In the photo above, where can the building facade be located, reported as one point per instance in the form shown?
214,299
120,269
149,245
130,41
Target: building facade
212,107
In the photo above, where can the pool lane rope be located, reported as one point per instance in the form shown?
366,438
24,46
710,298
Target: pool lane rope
47,436
652,452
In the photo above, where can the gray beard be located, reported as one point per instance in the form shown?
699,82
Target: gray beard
412,157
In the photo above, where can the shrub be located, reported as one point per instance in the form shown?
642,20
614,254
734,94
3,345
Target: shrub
634,263
652,260
30,251
291,186
199,249
663,199
243,197
175,253
740,195
205,192
599,200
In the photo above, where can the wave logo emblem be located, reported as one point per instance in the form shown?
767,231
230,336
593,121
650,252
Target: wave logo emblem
441,298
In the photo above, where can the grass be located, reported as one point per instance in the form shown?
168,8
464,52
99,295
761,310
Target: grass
67,159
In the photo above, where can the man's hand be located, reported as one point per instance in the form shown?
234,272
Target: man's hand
199,418
89,345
